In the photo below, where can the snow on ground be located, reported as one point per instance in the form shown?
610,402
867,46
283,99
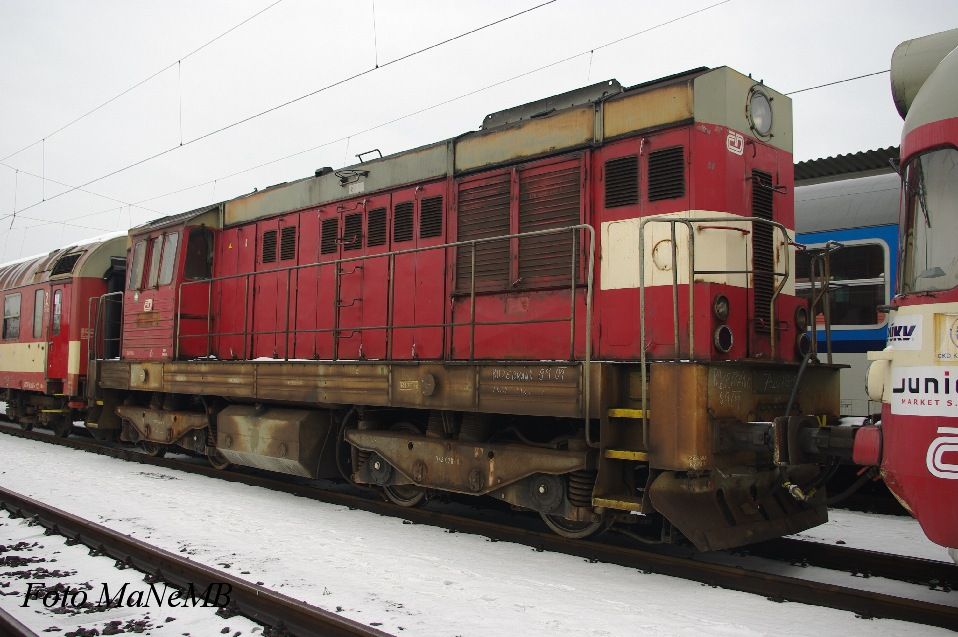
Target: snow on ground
896,534
28,556
404,578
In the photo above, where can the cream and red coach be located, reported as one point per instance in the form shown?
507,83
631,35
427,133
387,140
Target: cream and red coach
508,313
46,314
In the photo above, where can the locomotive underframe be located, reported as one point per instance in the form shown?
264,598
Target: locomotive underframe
703,456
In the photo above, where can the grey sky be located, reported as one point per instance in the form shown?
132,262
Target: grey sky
60,58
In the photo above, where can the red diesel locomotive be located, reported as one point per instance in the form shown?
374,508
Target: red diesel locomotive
584,309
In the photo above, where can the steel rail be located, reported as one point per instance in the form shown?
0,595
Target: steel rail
280,612
772,586
11,626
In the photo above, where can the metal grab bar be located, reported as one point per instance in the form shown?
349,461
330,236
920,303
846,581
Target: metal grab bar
292,278
95,316
689,222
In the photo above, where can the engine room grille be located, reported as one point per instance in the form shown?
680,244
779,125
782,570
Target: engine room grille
622,181
430,218
329,233
269,246
666,174
376,227
353,231
287,243
546,201
763,255
483,211
65,265
402,222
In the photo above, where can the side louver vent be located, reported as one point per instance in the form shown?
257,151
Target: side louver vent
483,211
402,222
353,231
376,227
547,201
430,218
763,255
287,243
622,181
329,233
269,246
666,174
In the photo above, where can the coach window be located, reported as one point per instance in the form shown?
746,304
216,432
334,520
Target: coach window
11,316
136,269
168,258
57,310
858,283
38,298
199,254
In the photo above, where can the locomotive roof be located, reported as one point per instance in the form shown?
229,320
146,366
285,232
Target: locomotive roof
562,123
90,258
859,200
179,218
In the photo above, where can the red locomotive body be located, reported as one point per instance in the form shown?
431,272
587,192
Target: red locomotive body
46,320
586,309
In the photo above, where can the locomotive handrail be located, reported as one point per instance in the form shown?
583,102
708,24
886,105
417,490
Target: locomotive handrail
389,327
689,222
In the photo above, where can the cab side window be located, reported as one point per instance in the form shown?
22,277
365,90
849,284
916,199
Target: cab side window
136,265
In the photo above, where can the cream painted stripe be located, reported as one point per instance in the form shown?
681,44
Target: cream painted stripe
73,358
718,246
23,357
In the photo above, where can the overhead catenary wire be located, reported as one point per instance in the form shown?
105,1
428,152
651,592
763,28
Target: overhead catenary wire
433,106
847,79
141,82
294,100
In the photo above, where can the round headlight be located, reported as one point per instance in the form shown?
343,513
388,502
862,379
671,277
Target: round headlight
722,338
720,308
760,113
801,319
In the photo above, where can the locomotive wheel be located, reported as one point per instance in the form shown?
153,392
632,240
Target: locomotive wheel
217,460
62,427
26,426
571,529
103,436
406,495
153,449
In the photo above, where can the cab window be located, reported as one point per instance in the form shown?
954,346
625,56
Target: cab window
155,250
136,265
168,258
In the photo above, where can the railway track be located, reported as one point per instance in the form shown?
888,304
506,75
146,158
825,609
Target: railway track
282,614
939,575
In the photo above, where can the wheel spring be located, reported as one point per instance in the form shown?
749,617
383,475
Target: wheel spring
581,484
361,457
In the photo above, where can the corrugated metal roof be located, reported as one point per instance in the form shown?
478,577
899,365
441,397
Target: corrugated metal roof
867,162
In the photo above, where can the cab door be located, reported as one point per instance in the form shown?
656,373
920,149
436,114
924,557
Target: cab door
58,333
